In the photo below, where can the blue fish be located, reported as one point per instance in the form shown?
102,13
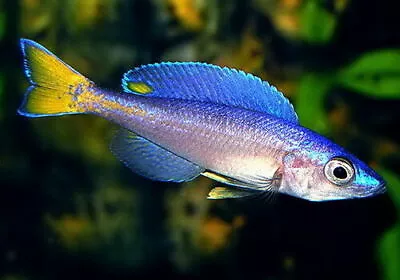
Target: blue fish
185,119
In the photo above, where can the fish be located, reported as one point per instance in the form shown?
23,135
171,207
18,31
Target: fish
182,120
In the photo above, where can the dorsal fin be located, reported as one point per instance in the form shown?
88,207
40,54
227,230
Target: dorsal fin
208,83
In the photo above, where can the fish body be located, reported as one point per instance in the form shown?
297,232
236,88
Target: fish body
182,120
230,141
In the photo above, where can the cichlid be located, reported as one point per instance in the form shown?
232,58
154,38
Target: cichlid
185,119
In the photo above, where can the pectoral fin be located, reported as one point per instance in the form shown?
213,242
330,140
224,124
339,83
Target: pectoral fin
250,183
150,160
220,178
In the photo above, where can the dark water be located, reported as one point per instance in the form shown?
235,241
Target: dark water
69,210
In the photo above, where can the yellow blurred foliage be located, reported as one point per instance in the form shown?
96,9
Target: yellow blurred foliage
84,136
77,15
113,217
215,233
286,14
286,18
188,13
339,117
288,23
248,55
84,13
36,15
341,5
385,148
192,227
188,207
289,4
72,231
115,211
238,222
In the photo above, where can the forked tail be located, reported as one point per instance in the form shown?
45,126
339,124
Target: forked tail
54,86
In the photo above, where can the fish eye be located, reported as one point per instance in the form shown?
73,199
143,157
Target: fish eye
339,171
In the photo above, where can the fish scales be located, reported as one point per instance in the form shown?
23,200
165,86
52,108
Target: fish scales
216,137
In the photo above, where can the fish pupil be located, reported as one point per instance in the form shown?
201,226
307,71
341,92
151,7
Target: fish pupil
340,172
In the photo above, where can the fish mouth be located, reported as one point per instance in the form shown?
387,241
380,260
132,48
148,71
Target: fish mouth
380,189
352,194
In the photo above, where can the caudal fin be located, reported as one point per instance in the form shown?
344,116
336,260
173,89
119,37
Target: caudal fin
54,86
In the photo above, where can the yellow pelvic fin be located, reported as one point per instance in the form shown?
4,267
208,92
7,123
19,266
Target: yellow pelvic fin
222,193
55,86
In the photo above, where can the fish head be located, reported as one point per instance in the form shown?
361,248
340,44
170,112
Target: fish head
332,174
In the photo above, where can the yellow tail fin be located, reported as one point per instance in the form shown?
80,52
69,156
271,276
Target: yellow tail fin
55,86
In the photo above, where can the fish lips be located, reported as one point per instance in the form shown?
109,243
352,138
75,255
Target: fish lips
370,191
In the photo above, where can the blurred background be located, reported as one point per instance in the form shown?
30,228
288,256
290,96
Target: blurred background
70,210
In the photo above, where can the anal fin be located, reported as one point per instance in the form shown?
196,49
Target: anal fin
150,160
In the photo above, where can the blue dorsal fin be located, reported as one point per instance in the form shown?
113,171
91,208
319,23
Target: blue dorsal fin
208,83
150,160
